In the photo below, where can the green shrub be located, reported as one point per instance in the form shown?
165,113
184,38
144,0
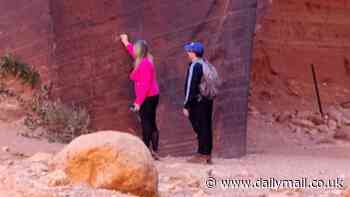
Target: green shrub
60,121
9,65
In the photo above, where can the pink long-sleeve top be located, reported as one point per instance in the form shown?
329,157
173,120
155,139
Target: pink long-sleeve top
144,77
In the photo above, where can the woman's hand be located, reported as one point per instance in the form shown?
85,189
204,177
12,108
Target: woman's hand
186,112
125,39
137,107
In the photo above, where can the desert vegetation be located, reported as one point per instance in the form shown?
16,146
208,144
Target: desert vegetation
11,66
45,117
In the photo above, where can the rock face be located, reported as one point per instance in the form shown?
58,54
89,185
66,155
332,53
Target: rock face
32,45
291,35
110,160
73,43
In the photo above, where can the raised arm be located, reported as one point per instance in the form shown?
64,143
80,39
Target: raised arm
125,40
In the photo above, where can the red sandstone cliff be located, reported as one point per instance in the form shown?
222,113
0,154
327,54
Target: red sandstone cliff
72,43
25,31
290,36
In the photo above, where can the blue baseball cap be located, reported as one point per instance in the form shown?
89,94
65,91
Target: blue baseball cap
195,47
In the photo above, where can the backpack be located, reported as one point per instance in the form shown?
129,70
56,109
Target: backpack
210,82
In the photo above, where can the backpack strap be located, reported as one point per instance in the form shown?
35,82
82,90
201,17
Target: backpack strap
199,60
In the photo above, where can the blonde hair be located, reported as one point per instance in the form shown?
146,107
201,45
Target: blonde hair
142,51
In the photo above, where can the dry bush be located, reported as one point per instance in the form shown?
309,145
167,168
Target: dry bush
4,92
62,122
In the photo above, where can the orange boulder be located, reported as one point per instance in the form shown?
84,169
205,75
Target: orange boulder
110,160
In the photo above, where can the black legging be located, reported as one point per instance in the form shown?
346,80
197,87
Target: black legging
148,112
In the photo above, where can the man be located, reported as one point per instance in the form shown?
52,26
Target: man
198,108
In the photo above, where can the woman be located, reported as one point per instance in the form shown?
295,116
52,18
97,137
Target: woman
146,90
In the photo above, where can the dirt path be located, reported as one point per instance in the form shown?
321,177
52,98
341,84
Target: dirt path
19,145
272,154
253,167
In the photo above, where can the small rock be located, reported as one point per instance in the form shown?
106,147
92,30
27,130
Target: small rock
39,132
41,157
6,149
325,140
346,121
345,105
332,125
323,129
10,162
253,110
304,114
342,133
193,182
335,114
39,168
303,123
244,173
346,117
283,117
210,173
313,132
316,119
58,178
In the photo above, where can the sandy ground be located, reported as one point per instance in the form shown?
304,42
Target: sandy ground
272,154
27,146
265,137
